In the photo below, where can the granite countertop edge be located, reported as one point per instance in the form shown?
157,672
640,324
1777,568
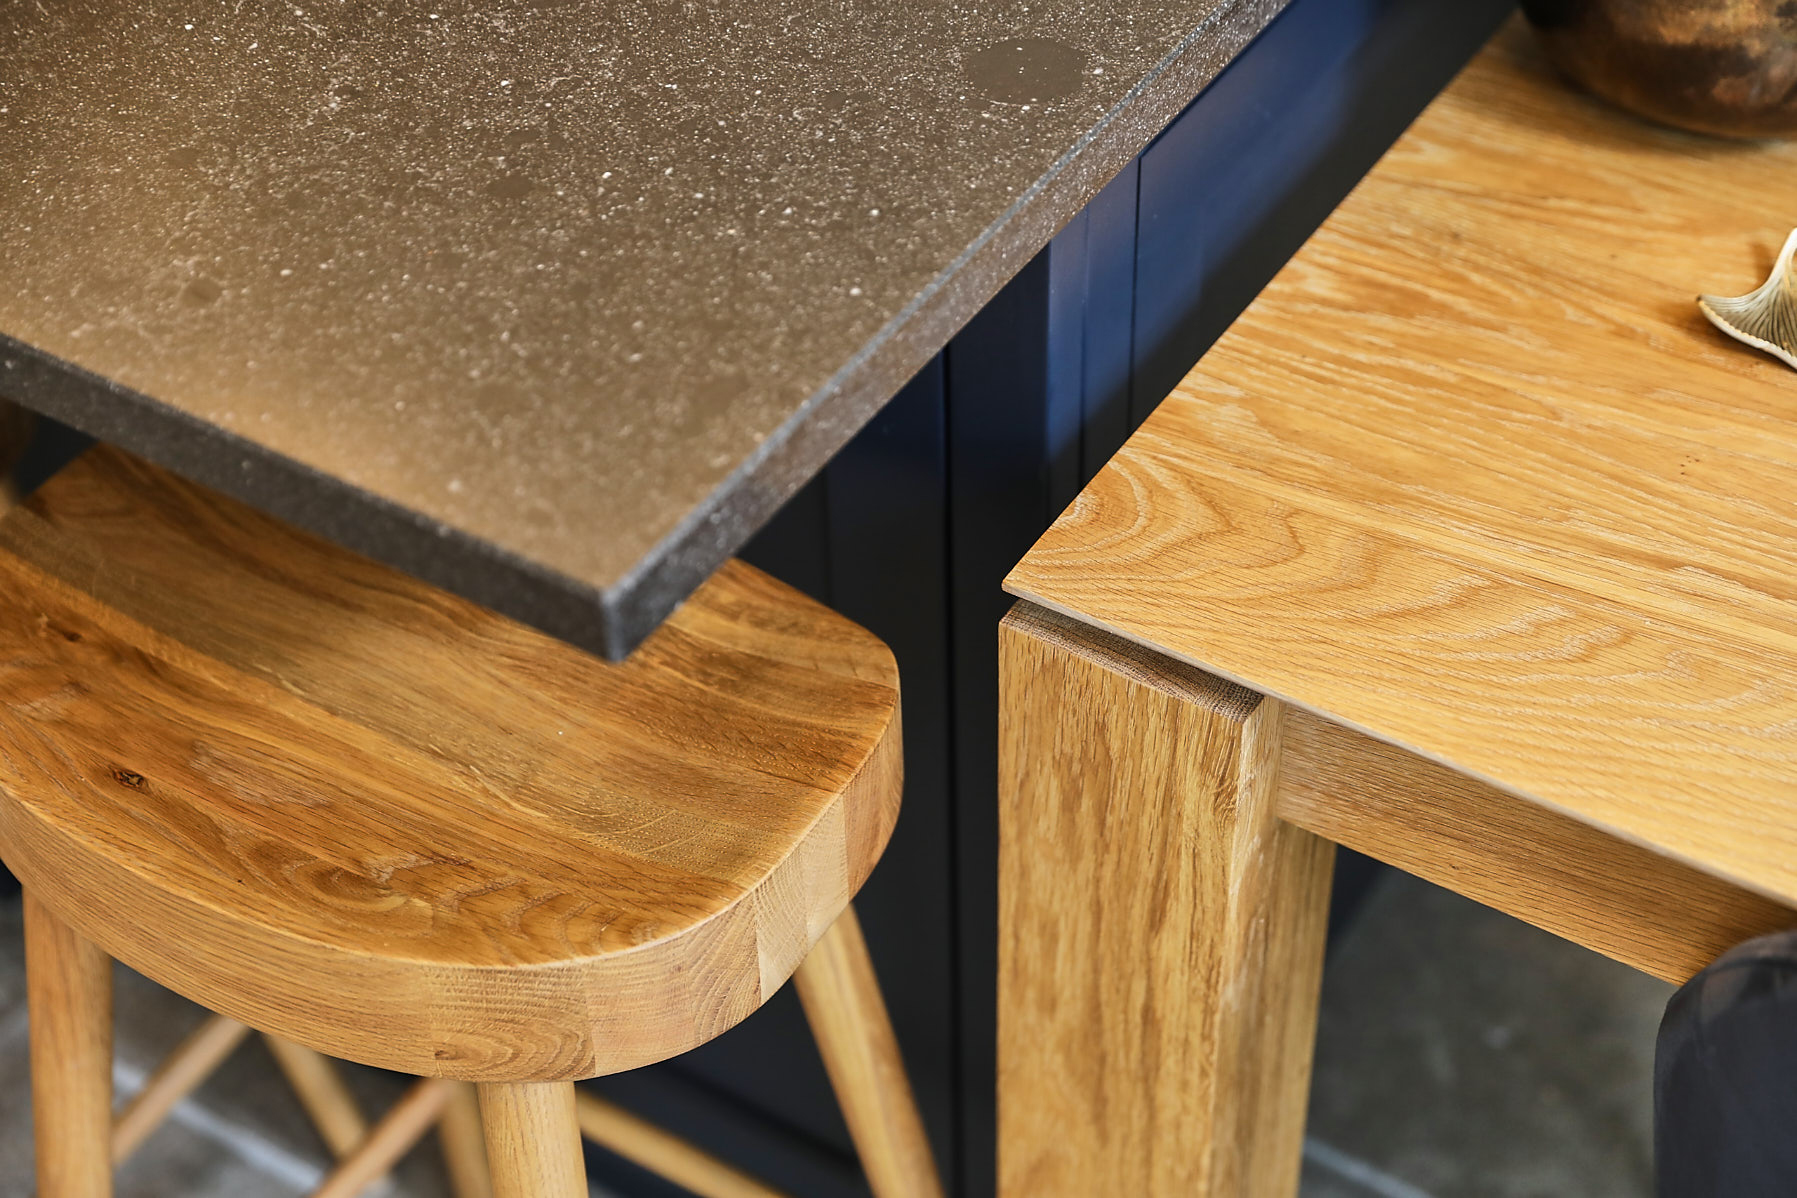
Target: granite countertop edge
613,620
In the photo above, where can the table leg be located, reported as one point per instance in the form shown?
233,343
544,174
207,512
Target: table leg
1161,932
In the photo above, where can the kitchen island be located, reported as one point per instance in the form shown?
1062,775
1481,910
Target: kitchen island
141,338
551,303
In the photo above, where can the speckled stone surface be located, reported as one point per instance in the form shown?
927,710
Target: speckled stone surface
552,302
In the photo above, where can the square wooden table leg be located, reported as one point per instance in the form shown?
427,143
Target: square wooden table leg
1161,931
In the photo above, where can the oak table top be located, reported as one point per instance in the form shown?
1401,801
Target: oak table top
549,302
1474,477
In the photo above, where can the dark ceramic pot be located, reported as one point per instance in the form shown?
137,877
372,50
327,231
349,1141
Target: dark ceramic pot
1727,67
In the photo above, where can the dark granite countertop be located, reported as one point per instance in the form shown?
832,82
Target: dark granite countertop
552,302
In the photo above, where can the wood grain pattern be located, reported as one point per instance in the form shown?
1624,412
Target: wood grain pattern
663,1153
464,1145
1474,477
68,982
321,1090
179,1074
1573,880
533,1140
848,1018
356,812
417,1111
1161,932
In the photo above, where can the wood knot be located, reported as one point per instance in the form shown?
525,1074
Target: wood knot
46,626
127,777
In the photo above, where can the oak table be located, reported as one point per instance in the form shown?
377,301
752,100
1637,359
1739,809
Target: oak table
1471,547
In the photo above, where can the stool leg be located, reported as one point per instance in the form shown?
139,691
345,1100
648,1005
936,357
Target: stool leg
464,1145
180,1074
314,1080
842,1001
662,1152
69,984
401,1128
533,1140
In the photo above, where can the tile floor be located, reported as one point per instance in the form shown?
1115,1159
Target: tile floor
1461,1055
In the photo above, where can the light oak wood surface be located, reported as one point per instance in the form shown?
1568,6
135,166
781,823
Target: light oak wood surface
662,1152
417,1111
847,1014
1161,931
1652,912
68,983
1475,478
465,1146
179,1074
360,814
533,1140
321,1090
363,1158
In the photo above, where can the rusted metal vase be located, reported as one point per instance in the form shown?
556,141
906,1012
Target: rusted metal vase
1727,67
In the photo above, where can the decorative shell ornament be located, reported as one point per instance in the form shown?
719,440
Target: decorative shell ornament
1767,317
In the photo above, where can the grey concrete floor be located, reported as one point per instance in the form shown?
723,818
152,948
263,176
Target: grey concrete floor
1463,1054
1460,1054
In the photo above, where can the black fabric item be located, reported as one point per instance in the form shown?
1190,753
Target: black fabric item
1725,1078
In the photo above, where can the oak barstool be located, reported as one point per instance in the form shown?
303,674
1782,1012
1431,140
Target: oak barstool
362,815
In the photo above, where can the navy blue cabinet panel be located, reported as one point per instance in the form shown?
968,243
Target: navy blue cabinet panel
1231,189
1107,329
888,529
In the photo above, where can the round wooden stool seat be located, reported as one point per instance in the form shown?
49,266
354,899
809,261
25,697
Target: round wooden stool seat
351,810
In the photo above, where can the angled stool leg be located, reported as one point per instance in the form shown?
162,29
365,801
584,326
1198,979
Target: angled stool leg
464,1145
401,1128
320,1089
533,1140
662,1152
1160,929
182,1072
848,1017
69,983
